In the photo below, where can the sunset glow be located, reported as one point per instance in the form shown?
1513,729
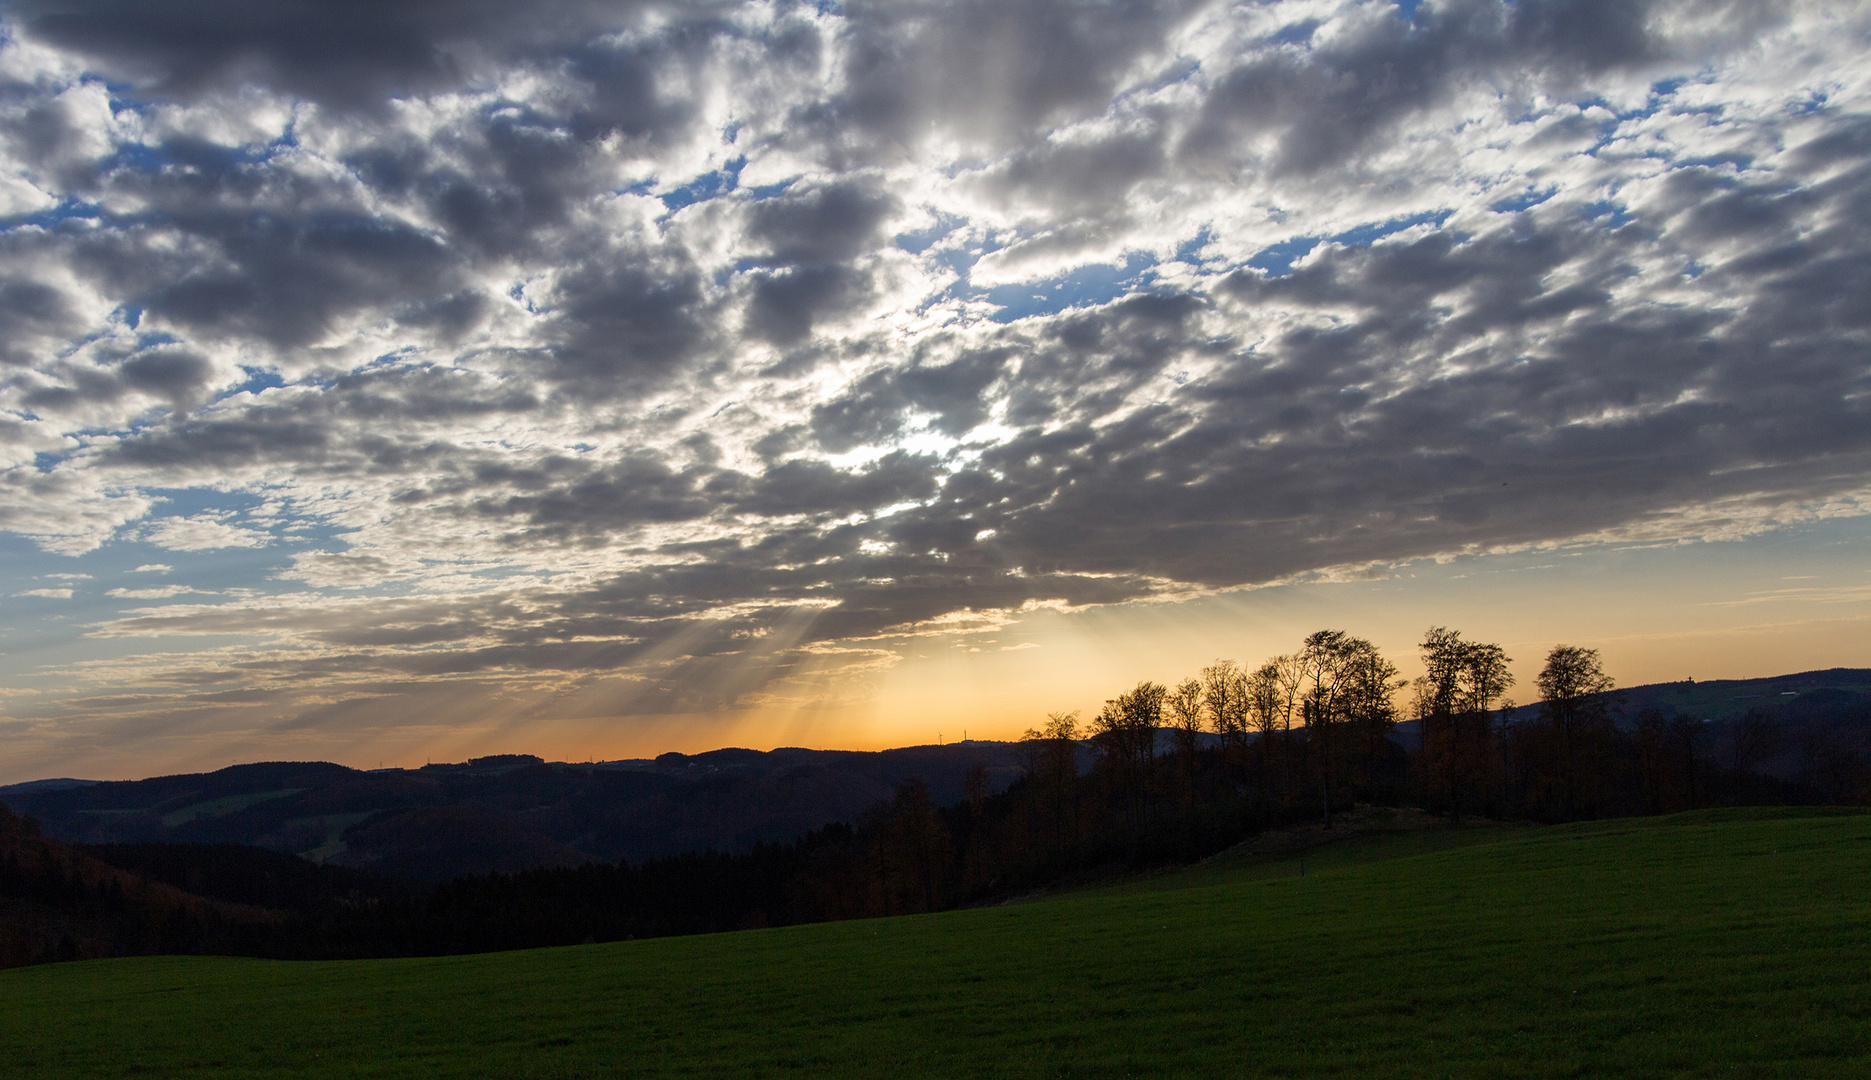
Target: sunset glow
597,380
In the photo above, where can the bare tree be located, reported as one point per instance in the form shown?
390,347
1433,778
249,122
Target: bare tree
1573,688
1654,763
1322,659
1266,712
1185,707
1287,674
1224,698
1052,762
1454,702
1757,738
1125,730
1369,708
1439,687
1338,676
910,851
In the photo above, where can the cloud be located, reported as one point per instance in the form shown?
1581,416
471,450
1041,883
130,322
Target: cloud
49,594
202,534
659,346
153,568
160,593
337,57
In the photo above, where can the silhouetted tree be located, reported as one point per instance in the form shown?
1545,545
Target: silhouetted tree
910,851
1663,791
1125,732
1757,738
1224,698
1369,708
1576,709
1287,676
1052,765
1184,706
1686,737
1266,711
1333,669
1454,702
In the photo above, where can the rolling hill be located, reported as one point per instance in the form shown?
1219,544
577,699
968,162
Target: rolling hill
1716,943
508,812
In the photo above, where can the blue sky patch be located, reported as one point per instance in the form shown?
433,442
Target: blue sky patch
1278,259
1099,283
706,186
1607,212
922,240
1526,200
768,191
258,379
1190,250
66,210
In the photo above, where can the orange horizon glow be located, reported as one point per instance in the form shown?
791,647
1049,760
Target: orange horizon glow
1705,612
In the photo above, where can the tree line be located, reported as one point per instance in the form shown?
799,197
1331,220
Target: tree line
1160,774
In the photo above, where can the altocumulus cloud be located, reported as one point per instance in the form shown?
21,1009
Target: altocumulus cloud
676,344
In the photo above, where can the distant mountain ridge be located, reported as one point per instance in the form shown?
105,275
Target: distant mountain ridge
1813,709
511,812
316,860
508,812
1730,699
60,784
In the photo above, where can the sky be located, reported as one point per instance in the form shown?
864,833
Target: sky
393,382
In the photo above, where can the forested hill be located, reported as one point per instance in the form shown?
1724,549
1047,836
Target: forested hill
58,903
508,812
1775,726
521,853
514,812
1730,699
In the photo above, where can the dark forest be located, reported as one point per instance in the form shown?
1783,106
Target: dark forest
1161,775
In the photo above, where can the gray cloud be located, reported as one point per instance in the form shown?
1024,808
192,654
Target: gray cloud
784,304
283,281
987,73
825,225
571,343
1323,105
346,55
626,320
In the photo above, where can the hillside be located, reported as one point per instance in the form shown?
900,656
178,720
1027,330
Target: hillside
509,812
1713,943
1791,738
1730,699
57,903
1797,719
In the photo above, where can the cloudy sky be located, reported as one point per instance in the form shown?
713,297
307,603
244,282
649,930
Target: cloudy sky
394,380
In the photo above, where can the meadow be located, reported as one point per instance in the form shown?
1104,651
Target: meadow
1714,943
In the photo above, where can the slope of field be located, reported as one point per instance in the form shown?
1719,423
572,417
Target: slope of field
1726,943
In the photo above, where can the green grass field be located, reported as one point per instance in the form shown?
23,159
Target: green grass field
1712,944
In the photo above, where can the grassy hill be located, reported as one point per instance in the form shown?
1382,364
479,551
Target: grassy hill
1723,943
